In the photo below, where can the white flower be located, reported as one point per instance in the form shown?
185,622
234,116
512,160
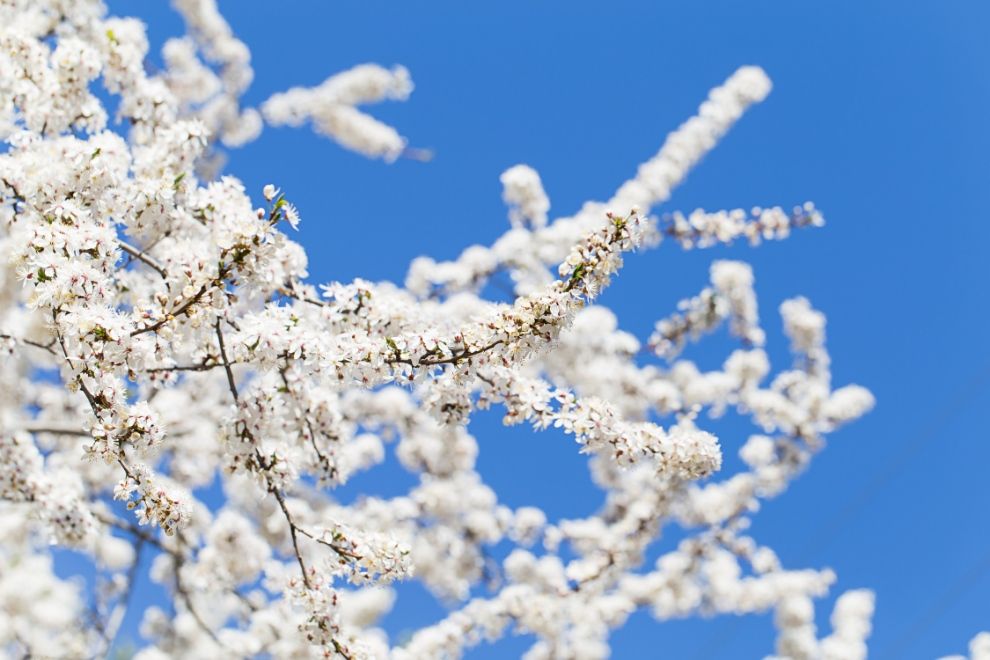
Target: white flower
152,318
291,215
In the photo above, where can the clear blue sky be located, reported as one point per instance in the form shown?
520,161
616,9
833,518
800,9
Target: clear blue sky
879,115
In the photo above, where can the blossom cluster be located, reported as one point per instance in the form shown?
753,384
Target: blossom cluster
331,107
172,386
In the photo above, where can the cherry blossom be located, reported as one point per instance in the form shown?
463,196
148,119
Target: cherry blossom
160,338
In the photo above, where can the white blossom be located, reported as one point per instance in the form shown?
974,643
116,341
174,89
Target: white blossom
175,392
523,192
331,108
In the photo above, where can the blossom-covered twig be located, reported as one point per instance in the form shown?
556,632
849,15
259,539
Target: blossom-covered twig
162,347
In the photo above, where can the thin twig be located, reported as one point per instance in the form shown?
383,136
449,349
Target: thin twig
30,342
231,383
143,257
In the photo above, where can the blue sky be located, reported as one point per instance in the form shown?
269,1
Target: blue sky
878,115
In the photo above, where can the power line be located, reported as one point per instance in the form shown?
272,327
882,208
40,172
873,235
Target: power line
948,598
894,465
953,407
